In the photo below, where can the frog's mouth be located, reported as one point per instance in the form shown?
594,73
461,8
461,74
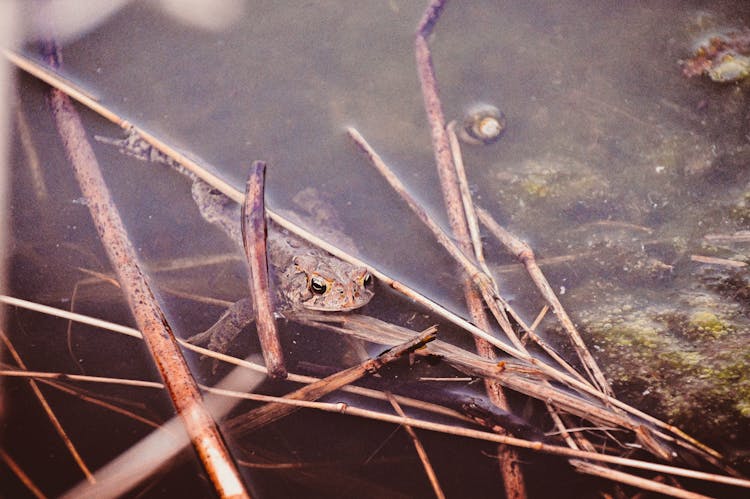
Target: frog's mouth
339,307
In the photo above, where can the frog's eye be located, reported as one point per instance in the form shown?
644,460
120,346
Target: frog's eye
366,279
318,285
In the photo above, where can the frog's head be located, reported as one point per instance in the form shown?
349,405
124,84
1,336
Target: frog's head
330,285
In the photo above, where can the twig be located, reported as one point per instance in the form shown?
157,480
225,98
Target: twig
50,414
264,415
421,452
64,314
16,469
148,315
524,253
254,241
24,373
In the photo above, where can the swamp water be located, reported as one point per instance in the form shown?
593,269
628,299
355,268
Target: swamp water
613,163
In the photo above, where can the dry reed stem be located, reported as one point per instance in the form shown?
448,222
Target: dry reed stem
158,335
421,452
525,255
80,377
254,242
634,480
22,476
264,415
50,413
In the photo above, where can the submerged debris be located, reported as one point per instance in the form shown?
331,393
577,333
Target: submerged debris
724,58
484,124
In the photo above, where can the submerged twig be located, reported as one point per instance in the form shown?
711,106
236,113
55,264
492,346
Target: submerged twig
48,410
143,304
254,241
421,452
22,476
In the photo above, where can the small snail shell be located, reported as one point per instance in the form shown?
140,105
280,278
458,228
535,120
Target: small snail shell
483,124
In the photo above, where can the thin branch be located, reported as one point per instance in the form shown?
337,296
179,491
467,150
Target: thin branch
101,403
254,241
32,157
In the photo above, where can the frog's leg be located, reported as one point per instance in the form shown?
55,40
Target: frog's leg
221,335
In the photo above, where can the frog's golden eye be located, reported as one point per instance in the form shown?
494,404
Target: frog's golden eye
366,279
318,285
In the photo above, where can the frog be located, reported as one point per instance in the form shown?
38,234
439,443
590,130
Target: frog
305,277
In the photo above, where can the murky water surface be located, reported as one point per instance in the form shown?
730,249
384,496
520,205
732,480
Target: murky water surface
614,167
